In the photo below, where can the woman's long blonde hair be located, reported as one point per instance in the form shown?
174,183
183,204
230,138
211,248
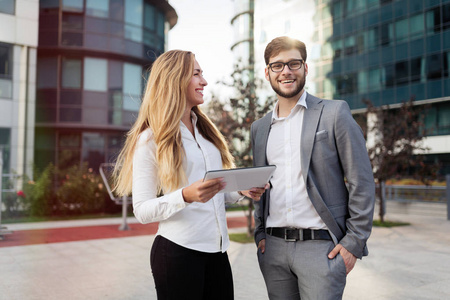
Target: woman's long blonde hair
162,108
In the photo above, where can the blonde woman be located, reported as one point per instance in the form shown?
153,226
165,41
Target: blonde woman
164,159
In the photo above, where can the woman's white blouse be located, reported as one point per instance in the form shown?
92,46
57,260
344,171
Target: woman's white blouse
197,226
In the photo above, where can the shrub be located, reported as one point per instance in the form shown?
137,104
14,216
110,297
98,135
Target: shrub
80,191
41,194
73,190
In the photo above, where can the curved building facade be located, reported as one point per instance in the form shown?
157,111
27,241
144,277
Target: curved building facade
243,47
92,60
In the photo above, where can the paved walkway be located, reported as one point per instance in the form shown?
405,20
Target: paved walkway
411,262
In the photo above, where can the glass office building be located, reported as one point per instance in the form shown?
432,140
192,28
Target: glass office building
388,51
92,61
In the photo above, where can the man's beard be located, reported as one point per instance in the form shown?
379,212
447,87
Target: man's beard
300,87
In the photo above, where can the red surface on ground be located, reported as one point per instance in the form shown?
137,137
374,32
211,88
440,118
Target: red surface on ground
71,234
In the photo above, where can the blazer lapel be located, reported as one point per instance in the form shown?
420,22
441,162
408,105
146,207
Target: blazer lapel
261,139
311,119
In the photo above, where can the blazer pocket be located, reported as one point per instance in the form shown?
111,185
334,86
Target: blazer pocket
321,135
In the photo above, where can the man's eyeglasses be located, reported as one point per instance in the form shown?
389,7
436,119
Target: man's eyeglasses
292,65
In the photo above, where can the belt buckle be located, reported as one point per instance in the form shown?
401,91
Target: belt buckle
288,239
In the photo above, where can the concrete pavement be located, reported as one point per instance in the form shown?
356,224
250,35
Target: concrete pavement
411,262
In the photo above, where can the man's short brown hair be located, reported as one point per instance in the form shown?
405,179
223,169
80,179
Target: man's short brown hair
283,43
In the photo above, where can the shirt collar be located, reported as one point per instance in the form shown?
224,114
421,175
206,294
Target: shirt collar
187,134
301,102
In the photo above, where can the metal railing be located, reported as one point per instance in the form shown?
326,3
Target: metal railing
106,173
416,193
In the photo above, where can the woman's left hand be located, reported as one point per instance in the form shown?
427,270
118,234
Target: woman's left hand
255,193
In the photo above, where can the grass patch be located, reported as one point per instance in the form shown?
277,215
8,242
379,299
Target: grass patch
61,218
242,238
389,224
237,208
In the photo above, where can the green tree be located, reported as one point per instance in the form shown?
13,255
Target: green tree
234,117
395,145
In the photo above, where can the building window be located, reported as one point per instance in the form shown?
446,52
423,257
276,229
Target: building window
437,119
133,12
402,72
149,17
5,144
132,86
417,67
386,34
362,82
133,19
73,5
350,45
93,150
116,10
433,20
446,16
95,74
8,7
443,119
47,72
371,38
97,8
388,76
346,84
417,25
160,23
5,71
48,4
115,82
114,145
69,145
337,48
374,80
337,10
71,73
434,66
447,64
401,30
72,29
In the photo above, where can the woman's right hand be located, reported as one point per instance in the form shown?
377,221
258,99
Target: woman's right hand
203,191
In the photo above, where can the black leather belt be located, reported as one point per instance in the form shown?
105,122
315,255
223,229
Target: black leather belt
294,234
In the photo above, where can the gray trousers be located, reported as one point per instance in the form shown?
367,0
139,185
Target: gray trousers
302,270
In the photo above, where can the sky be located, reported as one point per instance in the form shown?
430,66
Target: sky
204,27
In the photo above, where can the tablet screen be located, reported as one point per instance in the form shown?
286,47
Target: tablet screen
241,179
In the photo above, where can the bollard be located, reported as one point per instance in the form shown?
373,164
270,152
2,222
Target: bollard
124,225
447,177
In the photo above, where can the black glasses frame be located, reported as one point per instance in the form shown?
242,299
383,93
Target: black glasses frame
302,62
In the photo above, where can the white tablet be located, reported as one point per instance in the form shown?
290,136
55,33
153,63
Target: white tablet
242,179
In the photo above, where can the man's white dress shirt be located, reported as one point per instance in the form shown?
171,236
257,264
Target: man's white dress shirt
290,205
197,226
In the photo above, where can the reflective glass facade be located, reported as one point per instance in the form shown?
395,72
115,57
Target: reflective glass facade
92,58
385,51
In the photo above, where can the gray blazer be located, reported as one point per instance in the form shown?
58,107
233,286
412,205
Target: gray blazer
336,169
